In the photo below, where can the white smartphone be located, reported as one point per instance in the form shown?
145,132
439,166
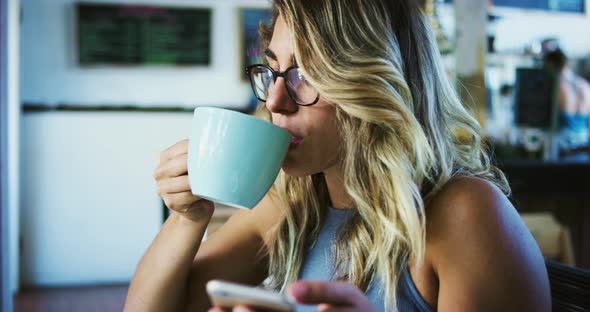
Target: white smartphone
226,294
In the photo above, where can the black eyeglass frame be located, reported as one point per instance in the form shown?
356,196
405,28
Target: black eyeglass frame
275,76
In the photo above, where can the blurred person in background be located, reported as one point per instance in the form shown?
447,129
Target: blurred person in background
574,102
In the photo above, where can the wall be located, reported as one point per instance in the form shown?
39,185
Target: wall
3,167
10,123
89,202
533,25
518,28
51,76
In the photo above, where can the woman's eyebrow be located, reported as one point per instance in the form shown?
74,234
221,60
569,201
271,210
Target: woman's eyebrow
270,54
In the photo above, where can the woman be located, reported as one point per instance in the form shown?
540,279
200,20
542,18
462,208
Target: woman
384,160
573,100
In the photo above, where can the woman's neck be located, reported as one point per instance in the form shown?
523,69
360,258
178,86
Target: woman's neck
338,195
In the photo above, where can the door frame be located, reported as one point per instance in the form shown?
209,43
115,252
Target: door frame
10,116
3,154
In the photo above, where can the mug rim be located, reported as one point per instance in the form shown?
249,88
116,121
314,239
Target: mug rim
237,114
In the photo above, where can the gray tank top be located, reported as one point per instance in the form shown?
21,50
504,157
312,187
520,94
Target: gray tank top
318,266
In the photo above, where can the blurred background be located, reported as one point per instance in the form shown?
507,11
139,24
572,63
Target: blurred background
92,92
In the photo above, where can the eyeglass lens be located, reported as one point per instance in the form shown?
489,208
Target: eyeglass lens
297,86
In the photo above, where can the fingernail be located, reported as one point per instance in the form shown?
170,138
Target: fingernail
297,291
241,309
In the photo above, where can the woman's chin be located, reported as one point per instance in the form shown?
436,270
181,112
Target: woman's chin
291,169
293,172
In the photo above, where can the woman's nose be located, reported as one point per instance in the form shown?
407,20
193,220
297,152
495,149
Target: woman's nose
278,100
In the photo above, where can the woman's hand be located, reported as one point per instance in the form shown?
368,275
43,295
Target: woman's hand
173,185
328,296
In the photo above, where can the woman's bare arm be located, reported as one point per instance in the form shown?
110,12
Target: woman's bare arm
483,254
170,277
236,252
159,282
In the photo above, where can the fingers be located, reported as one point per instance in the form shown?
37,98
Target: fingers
173,167
331,293
174,150
173,185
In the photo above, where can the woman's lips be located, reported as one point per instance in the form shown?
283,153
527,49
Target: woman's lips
296,140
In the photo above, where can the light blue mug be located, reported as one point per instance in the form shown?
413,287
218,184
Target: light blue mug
234,158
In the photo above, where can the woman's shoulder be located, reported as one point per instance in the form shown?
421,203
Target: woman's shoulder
467,203
463,189
475,235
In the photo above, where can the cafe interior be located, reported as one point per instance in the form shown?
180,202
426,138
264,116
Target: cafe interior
93,91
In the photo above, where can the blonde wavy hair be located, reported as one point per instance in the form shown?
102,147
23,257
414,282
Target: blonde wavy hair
405,131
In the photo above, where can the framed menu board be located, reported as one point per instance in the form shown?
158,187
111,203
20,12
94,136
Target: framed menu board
535,98
142,35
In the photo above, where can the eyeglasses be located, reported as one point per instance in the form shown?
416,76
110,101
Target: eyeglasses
262,78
